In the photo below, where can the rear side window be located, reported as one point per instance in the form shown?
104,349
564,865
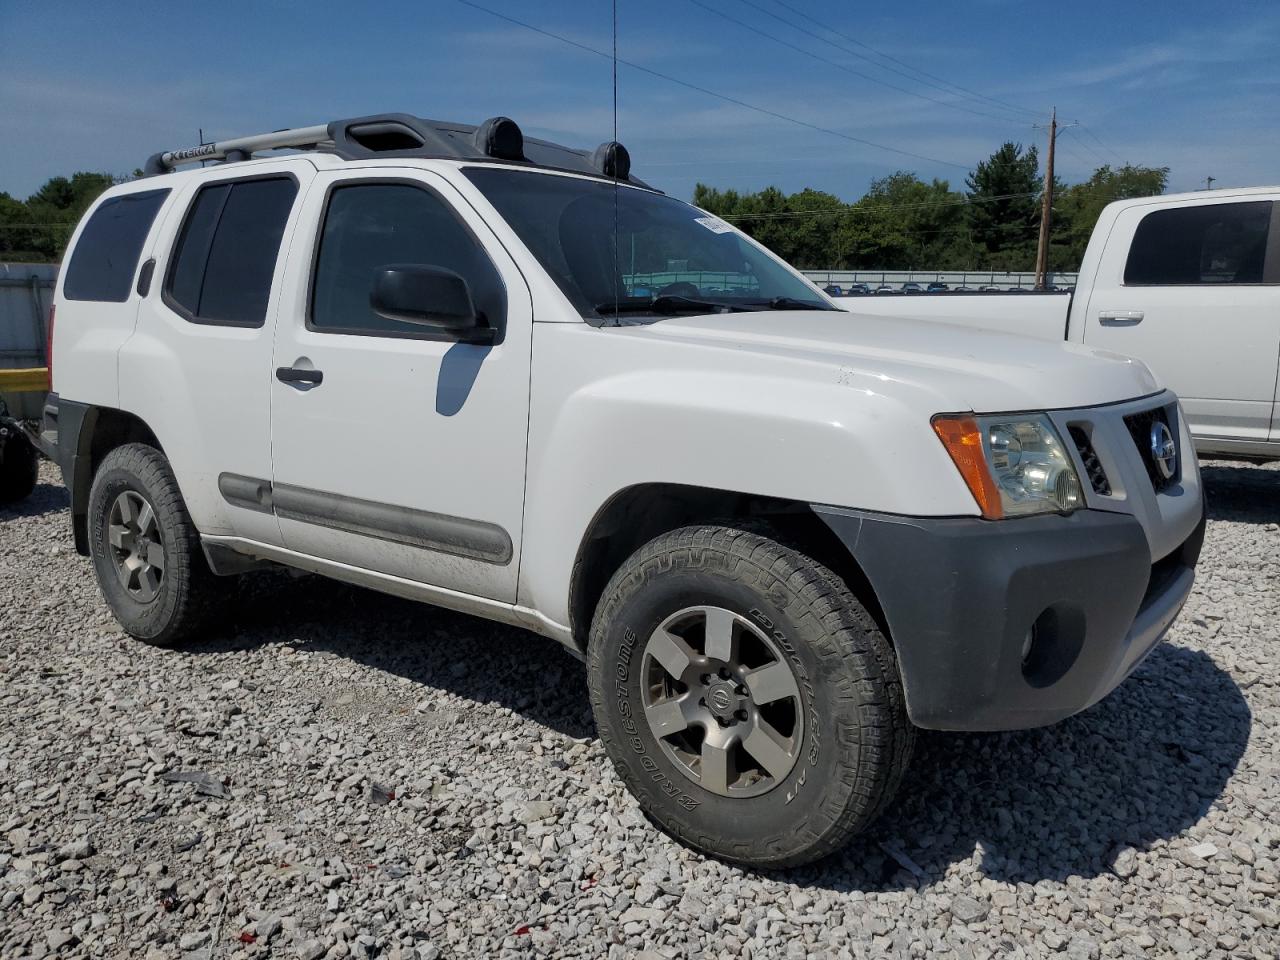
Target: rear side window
105,257
226,253
1207,244
370,225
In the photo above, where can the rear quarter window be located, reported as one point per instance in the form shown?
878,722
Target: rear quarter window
105,257
1207,244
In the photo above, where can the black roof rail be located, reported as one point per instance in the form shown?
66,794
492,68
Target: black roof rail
404,135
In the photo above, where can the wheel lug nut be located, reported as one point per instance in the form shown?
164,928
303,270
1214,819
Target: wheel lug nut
724,673
740,715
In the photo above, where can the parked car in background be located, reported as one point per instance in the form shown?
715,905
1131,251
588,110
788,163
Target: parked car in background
817,535
885,288
859,288
833,290
912,287
1187,283
936,286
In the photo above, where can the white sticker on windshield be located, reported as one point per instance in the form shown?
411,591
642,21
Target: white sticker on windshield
714,224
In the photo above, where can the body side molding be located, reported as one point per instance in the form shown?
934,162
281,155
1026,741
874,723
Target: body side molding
458,536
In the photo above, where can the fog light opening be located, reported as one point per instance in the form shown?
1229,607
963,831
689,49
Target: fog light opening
1052,645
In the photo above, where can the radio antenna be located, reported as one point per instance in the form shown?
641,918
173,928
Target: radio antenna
617,239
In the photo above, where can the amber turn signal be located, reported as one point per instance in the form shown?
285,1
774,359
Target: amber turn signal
962,437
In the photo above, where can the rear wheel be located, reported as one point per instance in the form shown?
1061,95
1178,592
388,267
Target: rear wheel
746,697
145,550
19,468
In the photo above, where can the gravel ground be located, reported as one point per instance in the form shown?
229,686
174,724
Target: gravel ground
345,774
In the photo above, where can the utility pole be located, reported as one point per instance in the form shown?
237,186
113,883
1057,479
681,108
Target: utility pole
1046,211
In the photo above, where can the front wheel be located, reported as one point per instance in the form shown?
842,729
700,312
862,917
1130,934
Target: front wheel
746,697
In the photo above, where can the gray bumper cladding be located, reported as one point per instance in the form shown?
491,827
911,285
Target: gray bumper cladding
1020,623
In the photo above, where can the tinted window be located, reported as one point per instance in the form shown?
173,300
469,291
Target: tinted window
370,225
1212,243
106,255
227,252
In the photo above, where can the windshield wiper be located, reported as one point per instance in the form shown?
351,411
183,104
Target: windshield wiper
669,303
791,303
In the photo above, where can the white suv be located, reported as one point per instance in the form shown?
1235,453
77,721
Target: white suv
506,377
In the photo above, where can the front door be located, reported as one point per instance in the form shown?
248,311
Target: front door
1196,301
396,448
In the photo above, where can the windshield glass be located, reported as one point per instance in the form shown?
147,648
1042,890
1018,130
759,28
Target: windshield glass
671,257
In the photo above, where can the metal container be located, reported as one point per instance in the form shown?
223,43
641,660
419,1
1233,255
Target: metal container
26,292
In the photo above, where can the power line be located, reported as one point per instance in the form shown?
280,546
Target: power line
1104,146
1063,145
1088,146
711,93
804,16
841,66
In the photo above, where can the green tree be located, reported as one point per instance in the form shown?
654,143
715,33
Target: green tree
1004,213
37,229
904,223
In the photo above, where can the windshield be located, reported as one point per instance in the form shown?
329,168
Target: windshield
671,257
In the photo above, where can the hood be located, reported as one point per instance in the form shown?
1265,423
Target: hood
965,368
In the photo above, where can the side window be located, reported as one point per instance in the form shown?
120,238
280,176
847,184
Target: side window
106,255
370,225
226,253
1206,244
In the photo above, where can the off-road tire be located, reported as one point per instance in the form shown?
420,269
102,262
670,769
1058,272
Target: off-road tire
187,588
856,742
19,470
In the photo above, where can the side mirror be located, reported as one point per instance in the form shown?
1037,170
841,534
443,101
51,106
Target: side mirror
427,296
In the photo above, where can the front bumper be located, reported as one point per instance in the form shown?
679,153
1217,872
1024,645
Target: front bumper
961,597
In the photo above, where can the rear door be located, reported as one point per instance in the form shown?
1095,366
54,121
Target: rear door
1196,298
197,368
405,454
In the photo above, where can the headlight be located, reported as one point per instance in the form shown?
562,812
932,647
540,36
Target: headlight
1013,465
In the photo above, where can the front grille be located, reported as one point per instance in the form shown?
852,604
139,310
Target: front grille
1092,465
1139,425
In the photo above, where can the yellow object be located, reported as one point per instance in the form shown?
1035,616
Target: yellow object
24,379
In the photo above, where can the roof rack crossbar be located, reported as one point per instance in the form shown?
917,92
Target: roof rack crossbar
393,135
242,146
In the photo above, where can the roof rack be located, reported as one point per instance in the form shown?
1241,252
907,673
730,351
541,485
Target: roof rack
403,135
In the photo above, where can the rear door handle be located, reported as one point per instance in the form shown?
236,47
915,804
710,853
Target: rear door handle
299,375
1120,318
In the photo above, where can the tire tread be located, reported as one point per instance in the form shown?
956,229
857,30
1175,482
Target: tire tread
847,637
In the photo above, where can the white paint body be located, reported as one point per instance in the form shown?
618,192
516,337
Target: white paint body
1216,345
817,407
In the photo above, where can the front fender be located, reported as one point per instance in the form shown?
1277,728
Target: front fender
795,431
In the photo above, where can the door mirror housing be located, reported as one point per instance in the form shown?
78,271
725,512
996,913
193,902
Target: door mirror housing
428,296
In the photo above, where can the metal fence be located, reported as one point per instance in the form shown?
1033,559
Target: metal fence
973,279
26,292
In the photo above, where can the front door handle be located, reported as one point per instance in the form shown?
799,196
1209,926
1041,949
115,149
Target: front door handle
299,375
1120,318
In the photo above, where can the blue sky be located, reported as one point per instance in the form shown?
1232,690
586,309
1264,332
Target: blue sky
1190,85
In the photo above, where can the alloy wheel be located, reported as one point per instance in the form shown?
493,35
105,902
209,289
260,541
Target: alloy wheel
722,701
137,549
